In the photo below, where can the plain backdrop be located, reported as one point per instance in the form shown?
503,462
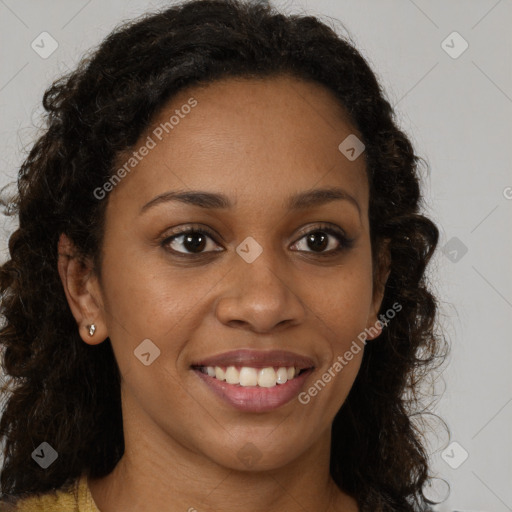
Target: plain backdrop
446,67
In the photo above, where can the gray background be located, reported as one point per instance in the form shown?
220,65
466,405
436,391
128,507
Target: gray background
457,112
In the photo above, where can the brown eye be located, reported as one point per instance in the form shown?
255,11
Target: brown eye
318,240
193,240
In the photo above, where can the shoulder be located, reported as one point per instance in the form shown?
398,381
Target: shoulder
57,500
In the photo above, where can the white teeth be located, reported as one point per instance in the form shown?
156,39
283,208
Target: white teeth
247,376
282,375
267,378
232,375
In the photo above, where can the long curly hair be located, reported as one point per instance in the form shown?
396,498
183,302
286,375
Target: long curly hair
67,393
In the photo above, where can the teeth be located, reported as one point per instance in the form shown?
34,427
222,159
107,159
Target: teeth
282,375
267,378
232,375
247,376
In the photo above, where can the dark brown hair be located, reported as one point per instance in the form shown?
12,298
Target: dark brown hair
66,392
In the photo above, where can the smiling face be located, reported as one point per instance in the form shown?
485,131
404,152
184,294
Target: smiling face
275,268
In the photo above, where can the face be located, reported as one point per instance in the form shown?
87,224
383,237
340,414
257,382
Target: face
262,282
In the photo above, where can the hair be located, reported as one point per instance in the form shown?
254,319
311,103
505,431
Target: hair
66,392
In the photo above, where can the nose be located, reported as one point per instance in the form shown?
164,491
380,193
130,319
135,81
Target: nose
260,296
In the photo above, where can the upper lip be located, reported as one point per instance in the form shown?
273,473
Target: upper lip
257,359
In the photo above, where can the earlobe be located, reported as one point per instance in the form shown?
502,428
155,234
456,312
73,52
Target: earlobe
82,292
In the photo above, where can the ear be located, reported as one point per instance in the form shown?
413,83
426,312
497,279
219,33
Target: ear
82,291
382,270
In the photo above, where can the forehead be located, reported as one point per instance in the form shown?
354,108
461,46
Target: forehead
257,140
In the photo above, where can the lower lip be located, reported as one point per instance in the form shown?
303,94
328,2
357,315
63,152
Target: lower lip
255,398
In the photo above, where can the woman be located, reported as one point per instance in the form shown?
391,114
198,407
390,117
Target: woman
216,295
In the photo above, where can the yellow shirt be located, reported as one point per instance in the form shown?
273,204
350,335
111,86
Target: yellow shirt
77,498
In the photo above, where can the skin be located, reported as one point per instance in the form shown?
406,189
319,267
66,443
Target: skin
258,142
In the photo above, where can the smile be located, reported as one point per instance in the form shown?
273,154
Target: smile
255,381
249,376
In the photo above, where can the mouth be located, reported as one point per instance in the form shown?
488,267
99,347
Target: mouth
255,381
248,376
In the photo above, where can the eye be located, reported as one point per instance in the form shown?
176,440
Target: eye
194,239
318,240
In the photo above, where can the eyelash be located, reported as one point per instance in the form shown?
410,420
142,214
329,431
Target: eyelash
345,242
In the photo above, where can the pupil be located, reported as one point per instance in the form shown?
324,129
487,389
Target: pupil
191,245
314,238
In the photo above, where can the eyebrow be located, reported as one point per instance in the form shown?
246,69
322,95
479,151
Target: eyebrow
209,200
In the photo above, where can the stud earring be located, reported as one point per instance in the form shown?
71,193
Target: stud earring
92,329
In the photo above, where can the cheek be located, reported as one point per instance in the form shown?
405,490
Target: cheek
139,305
341,308
142,293
148,298
343,300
